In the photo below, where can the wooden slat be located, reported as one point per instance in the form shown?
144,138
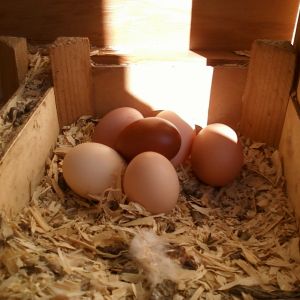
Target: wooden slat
211,57
44,21
269,82
22,166
71,69
222,57
13,65
215,24
290,151
115,84
228,85
170,83
235,24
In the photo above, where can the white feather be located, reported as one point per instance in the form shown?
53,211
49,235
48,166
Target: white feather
149,250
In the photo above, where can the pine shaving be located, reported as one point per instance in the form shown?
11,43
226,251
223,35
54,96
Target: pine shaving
236,242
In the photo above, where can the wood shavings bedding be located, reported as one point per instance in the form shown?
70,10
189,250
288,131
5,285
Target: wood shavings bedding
235,242
18,109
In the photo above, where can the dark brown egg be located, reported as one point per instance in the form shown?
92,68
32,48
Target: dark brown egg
217,155
149,134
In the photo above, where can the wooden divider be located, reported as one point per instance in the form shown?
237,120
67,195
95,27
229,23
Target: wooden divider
71,70
269,82
290,151
23,164
13,65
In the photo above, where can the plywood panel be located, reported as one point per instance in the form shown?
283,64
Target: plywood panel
290,151
22,166
235,24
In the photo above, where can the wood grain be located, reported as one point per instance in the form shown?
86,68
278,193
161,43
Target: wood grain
171,83
227,89
269,82
46,20
216,58
164,24
235,24
13,65
289,149
71,70
22,166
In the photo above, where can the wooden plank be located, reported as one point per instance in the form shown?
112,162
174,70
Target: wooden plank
269,82
148,24
222,57
227,89
235,24
160,84
22,166
71,69
289,149
215,24
13,65
46,20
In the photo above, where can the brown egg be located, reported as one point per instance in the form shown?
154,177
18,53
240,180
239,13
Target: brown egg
217,155
187,134
91,168
151,180
149,134
109,127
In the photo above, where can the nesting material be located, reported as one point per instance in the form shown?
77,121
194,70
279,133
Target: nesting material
235,242
15,113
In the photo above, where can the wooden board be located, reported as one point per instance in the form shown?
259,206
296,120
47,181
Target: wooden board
269,82
46,20
71,70
148,24
172,84
13,65
235,24
23,164
290,151
223,57
228,86
164,24
112,73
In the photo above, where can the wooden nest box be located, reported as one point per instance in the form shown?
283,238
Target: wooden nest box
211,61
69,62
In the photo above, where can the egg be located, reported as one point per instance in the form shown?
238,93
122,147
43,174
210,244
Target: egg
149,134
187,134
217,155
151,180
91,168
109,127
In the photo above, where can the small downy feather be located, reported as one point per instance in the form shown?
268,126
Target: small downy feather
149,250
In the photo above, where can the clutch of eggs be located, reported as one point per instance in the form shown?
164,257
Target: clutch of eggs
153,146
148,143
